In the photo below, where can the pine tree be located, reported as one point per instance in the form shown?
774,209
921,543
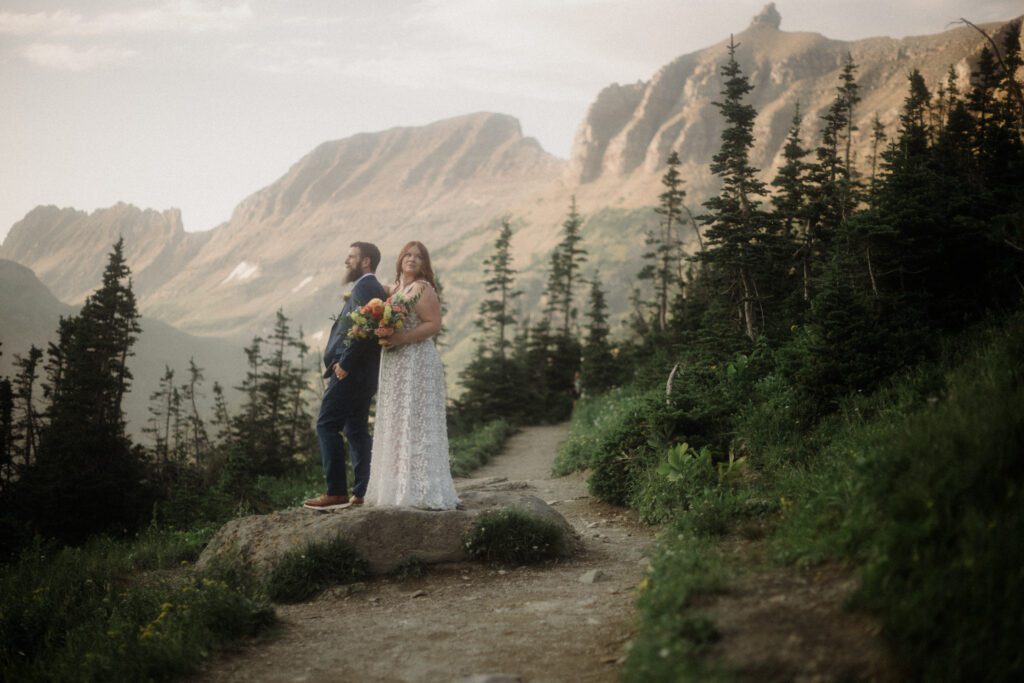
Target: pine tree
877,144
273,390
495,314
299,423
199,439
597,371
563,273
6,432
665,244
221,417
739,231
492,381
791,203
159,423
85,460
26,426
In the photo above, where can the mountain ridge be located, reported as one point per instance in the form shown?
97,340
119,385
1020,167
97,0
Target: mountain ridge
449,183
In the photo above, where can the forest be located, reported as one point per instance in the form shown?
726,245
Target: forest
832,366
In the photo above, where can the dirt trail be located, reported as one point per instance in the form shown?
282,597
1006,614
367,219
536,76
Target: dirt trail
538,623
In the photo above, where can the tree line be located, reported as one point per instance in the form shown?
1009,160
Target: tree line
848,269
69,469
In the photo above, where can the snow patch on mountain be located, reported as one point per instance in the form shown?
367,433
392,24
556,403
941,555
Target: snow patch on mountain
242,272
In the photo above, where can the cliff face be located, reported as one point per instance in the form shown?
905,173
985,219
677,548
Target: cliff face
630,130
449,183
284,245
67,249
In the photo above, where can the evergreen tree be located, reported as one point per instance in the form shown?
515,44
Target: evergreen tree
877,144
26,425
85,461
274,392
6,432
495,314
665,244
300,432
791,203
597,372
159,423
739,232
563,274
221,418
199,440
492,381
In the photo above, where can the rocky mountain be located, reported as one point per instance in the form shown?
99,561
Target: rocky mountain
284,246
29,313
449,183
68,249
630,129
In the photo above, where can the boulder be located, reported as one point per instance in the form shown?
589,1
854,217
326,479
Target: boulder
385,536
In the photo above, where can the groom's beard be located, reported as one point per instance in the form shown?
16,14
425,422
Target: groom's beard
352,275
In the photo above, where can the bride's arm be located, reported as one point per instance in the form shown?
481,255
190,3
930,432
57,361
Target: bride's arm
428,309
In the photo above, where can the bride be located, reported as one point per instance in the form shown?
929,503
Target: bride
410,437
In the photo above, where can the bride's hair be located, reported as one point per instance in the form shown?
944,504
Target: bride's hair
426,272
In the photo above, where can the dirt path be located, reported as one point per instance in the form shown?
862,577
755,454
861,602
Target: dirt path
540,623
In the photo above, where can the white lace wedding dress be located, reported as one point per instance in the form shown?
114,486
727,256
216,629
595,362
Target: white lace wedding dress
410,464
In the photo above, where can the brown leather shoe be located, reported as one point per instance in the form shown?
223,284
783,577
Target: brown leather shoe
326,502
355,500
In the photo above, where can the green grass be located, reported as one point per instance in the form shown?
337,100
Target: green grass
302,574
920,484
513,537
116,611
670,636
470,451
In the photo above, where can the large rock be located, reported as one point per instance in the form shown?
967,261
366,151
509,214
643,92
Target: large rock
385,536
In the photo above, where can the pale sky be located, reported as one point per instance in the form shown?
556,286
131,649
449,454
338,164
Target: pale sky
196,104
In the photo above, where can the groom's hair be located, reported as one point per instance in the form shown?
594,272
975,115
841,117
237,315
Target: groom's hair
370,251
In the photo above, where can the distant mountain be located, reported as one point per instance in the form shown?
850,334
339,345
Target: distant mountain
285,245
29,313
68,249
449,183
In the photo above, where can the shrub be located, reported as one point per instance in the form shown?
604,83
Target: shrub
301,574
618,436
470,451
513,537
920,483
945,570
410,568
82,615
670,636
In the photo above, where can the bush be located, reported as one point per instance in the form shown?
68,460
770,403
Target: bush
920,483
301,574
618,436
513,537
670,637
945,570
82,615
410,568
472,450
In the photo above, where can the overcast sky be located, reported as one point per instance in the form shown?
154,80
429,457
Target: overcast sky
195,105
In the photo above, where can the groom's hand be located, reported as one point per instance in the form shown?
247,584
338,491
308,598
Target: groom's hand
339,371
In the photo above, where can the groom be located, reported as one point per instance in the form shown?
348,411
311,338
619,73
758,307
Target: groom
351,366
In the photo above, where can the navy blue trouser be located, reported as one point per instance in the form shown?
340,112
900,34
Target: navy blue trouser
345,407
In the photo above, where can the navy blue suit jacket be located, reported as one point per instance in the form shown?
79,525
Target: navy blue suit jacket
360,358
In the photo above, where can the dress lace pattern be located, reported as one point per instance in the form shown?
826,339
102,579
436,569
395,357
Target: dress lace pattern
410,464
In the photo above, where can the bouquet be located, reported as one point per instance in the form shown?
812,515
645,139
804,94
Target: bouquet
379,318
